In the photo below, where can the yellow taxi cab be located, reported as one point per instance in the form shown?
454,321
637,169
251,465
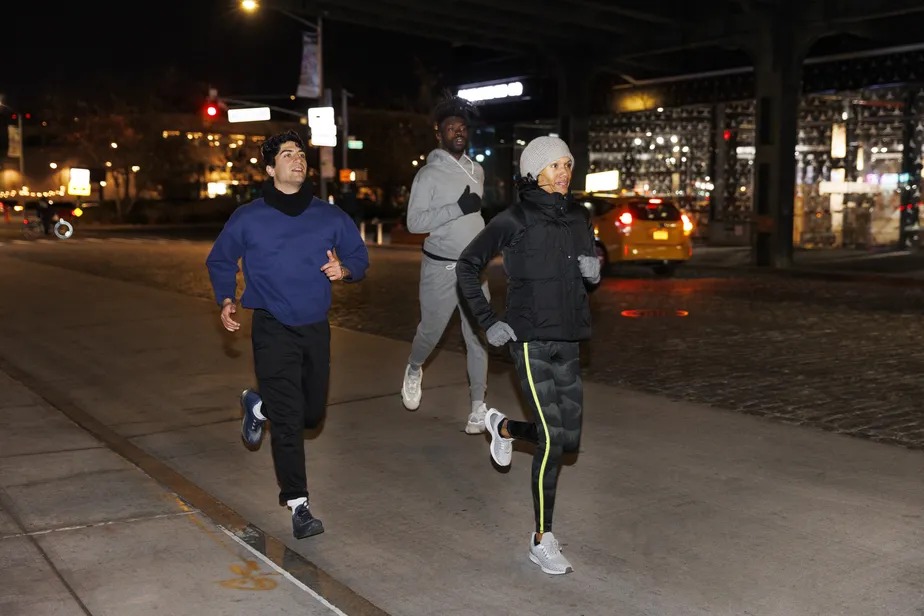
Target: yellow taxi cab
640,230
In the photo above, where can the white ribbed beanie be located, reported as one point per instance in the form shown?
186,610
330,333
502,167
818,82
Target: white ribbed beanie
540,153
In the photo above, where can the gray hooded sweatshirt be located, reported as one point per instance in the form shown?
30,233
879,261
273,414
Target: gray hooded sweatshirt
434,208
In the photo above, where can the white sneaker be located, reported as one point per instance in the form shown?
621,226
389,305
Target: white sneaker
410,390
501,447
548,555
475,423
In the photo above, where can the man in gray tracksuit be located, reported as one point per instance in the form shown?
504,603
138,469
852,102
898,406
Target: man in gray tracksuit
445,202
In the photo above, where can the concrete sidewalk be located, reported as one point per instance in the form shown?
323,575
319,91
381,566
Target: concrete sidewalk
669,508
84,531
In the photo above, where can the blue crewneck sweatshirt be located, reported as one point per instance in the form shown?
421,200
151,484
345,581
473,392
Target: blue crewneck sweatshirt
282,257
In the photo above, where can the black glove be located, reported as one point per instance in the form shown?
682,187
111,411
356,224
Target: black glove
469,201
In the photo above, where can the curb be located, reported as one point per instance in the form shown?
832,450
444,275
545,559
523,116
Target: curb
894,280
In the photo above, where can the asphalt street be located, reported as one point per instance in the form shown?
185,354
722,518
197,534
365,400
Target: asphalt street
844,356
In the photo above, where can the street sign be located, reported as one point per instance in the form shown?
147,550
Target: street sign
354,144
79,183
601,181
323,127
249,114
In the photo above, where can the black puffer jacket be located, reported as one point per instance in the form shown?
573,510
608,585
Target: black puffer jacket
540,238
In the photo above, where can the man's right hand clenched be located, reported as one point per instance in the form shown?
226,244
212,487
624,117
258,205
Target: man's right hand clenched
469,202
227,309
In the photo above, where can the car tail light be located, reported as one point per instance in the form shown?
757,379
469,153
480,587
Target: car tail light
687,224
25,221
624,223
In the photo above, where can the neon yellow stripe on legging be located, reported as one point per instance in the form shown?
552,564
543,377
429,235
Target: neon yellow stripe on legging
548,443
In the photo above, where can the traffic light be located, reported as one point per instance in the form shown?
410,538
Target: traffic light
212,105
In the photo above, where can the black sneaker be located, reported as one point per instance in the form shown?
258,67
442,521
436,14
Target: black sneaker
304,524
251,427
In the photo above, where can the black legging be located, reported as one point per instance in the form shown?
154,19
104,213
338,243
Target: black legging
550,376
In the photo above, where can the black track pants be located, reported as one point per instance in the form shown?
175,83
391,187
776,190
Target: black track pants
292,366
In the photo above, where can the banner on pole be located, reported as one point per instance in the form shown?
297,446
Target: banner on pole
309,84
14,149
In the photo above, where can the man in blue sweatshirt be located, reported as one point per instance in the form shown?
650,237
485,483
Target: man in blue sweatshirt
293,246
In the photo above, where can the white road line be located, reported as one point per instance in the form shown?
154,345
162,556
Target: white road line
285,574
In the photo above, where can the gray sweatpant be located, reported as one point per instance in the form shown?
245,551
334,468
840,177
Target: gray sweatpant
439,298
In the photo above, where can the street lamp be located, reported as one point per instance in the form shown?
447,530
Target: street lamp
251,6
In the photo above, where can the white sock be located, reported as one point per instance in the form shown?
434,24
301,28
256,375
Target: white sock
256,411
476,405
295,502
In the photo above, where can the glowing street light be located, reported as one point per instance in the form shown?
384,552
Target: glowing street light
251,6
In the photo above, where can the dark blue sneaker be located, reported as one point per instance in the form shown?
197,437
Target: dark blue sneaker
251,427
304,524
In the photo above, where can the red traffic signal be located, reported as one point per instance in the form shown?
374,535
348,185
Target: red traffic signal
211,110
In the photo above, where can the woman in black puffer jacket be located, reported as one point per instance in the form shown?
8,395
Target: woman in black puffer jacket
547,245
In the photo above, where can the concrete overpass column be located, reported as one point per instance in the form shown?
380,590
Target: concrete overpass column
779,53
575,79
910,179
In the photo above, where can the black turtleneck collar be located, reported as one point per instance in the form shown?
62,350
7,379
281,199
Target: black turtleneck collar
290,205
530,191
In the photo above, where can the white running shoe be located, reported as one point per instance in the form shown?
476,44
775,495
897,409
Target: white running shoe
410,390
475,423
501,447
548,555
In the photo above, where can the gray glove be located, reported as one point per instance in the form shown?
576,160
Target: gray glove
500,334
590,268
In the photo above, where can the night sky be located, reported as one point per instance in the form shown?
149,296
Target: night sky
59,48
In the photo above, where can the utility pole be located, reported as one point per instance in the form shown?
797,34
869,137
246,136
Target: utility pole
325,100
22,149
344,95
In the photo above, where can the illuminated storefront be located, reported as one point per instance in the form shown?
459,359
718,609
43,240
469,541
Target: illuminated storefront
858,160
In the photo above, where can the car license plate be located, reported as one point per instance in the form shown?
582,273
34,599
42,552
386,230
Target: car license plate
661,234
